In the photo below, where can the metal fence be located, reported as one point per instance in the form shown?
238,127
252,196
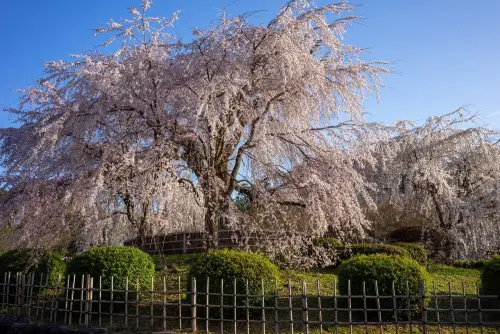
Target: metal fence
240,307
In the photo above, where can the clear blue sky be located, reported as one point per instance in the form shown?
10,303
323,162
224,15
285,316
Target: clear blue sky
446,51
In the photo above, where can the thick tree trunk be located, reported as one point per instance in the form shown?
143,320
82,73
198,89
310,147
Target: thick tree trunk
216,211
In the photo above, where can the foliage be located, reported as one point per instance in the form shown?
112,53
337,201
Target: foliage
328,243
36,261
490,275
406,234
446,173
160,132
368,249
415,251
117,263
225,267
384,269
471,264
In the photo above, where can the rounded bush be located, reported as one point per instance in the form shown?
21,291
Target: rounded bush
36,261
368,249
384,269
328,243
415,251
118,262
220,269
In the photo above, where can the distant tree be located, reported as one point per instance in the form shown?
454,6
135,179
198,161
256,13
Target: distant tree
274,106
446,174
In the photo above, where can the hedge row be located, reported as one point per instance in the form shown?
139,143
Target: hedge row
34,261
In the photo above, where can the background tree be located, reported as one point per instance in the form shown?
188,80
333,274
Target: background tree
445,174
276,107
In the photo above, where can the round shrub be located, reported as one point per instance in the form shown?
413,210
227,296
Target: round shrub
227,266
415,251
328,243
385,269
36,261
118,262
368,249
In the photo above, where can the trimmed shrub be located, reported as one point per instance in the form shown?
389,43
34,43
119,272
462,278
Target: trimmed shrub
415,251
118,262
36,261
385,269
228,266
369,249
470,264
490,276
328,243
489,286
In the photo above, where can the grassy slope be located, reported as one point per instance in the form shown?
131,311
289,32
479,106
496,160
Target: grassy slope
174,266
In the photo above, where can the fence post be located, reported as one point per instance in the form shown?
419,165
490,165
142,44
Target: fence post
379,312
395,305
207,299
221,305
305,308
100,300
276,315
184,243
111,297
71,300
290,305
137,303
349,305
424,307
193,305
179,301
465,306
152,302
164,304
30,299
335,305
126,302
247,304
479,309
66,300
263,307
234,307
3,290
365,312
320,311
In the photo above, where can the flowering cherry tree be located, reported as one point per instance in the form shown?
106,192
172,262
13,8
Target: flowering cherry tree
445,173
162,131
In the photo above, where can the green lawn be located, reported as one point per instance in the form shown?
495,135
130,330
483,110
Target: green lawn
443,279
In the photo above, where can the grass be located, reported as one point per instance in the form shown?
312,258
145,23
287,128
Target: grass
448,279
175,268
444,279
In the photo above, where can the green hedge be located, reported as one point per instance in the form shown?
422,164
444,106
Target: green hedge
415,251
384,269
490,277
470,264
328,243
228,266
369,249
36,261
118,262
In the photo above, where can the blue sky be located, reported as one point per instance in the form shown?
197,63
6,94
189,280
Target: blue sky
446,52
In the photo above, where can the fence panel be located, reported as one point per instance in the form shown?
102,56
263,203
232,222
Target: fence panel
283,309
